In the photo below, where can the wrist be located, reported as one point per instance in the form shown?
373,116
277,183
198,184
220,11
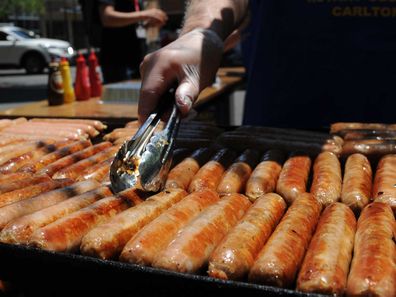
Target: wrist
209,36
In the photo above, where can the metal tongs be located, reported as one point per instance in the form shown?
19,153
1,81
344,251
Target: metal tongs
144,161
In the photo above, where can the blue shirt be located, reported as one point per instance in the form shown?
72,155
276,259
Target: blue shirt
314,62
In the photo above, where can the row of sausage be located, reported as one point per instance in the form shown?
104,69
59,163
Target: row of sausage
228,236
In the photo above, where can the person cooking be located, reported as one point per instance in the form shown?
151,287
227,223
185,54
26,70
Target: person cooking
309,62
120,50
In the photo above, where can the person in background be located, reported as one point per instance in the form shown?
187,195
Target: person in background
120,50
309,63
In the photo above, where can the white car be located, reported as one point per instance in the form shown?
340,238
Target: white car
22,48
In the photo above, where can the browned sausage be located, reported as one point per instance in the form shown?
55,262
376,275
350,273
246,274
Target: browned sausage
369,147
235,255
236,176
181,175
373,269
281,257
97,172
22,149
14,164
30,205
337,127
26,130
31,191
326,264
356,187
384,189
265,175
65,234
87,129
293,177
144,247
209,175
74,171
107,240
97,124
191,248
58,154
52,168
326,184
19,230
9,185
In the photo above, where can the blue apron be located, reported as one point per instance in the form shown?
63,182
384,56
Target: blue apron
314,62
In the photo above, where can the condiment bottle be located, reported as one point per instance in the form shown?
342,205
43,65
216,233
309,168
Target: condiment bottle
94,76
55,84
68,91
82,86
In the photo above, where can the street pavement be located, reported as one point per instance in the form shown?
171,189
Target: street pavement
17,87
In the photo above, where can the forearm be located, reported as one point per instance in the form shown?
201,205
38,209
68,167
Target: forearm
220,16
113,18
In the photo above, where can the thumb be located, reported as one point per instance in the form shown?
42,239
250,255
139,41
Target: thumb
187,92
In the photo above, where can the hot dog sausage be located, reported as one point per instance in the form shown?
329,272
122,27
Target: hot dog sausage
356,187
281,257
326,184
373,269
52,168
74,171
97,124
326,264
65,234
293,177
190,249
9,186
33,190
209,175
144,247
19,230
97,172
265,175
58,154
181,175
30,205
107,240
236,176
384,182
235,255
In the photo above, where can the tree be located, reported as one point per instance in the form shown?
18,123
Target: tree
13,7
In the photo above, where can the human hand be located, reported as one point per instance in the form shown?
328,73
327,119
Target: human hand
155,17
192,60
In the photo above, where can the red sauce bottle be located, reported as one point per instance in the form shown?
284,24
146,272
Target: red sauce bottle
82,86
94,76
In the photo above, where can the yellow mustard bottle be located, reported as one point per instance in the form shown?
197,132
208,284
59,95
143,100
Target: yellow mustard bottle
68,90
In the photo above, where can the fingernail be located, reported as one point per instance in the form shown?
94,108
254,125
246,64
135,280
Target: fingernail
184,101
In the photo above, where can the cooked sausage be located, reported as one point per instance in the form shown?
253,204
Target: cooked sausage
30,205
369,147
356,187
58,154
265,175
74,171
14,164
31,137
65,234
25,130
84,128
22,149
181,175
235,255
12,177
97,124
191,248
293,177
32,190
144,247
373,269
19,230
326,184
9,185
236,176
281,257
209,175
107,240
326,264
97,172
52,168
337,127
384,189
